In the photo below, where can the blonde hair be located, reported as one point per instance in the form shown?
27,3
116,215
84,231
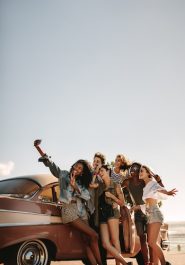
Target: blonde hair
125,161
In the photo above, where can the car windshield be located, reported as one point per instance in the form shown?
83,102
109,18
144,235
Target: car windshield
19,188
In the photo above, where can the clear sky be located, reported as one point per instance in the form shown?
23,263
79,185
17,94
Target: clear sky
88,76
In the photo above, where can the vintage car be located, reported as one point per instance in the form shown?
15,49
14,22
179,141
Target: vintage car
164,237
31,229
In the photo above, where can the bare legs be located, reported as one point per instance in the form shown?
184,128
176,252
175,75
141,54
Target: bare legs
110,239
147,252
153,230
92,248
153,257
144,247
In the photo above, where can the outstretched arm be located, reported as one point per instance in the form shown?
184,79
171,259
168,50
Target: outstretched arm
55,170
170,192
37,146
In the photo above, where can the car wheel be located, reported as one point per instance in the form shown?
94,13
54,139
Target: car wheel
32,252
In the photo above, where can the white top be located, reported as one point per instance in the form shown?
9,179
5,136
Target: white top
151,190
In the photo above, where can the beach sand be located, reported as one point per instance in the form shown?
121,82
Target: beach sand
174,257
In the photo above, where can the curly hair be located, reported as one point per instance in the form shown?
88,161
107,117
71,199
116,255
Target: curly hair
101,157
86,177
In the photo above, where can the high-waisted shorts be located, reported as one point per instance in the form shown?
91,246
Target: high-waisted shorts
70,213
115,215
154,215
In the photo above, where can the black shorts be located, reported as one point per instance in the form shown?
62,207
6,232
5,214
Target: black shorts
115,214
140,222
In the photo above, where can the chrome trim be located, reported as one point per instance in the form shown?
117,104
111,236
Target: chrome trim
33,252
13,211
28,199
24,218
41,179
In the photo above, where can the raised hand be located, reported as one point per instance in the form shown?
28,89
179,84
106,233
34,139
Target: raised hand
97,169
37,142
72,180
172,192
93,185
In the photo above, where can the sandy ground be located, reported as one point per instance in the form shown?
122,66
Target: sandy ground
175,258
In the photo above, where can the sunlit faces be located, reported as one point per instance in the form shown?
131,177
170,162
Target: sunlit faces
103,173
77,169
118,162
143,173
135,170
97,163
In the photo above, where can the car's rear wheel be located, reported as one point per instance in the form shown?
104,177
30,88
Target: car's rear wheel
32,252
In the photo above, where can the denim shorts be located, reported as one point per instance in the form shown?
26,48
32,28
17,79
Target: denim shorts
154,215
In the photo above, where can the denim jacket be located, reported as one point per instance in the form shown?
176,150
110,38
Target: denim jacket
67,194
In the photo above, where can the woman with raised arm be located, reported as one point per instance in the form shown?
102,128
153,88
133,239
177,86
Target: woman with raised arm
152,192
73,192
110,196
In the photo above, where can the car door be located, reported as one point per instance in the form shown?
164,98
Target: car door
69,240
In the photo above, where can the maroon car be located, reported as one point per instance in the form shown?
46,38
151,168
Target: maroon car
31,229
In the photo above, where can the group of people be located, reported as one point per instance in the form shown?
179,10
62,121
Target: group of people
92,195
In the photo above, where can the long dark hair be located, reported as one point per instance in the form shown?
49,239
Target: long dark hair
149,171
86,177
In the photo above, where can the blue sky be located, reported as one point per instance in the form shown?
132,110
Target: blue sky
88,76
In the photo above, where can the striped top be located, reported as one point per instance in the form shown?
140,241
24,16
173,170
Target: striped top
116,177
